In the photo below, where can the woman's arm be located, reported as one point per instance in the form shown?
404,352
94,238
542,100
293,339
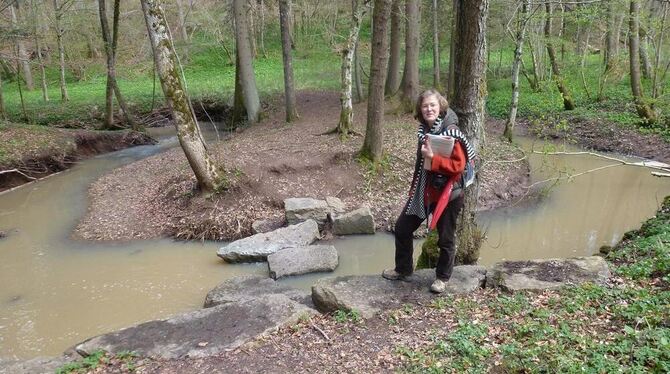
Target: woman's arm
450,165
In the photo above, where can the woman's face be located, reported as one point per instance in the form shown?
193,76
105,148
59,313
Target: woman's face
430,109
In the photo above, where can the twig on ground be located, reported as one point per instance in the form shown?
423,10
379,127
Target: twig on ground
17,171
325,336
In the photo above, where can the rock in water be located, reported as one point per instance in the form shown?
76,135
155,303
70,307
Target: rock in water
359,221
299,209
258,247
249,287
547,274
302,260
370,294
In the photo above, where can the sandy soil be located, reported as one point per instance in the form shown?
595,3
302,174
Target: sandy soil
270,162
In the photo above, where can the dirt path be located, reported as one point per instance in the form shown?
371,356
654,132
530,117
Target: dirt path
268,163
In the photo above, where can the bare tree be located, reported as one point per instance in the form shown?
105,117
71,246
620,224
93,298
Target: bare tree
373,142
659,76
346,106
643,109
111,41
523,19
59,9
247,80
568,102
171,77
289,90
38,50
409,86
393,75
610,47
468,102
21,46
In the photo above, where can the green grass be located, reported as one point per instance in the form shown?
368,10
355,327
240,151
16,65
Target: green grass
624,327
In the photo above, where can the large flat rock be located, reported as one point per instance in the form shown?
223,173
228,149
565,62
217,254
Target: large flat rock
201,333
371,293
258,247
298,209
547,274
39,365
250,287
302,260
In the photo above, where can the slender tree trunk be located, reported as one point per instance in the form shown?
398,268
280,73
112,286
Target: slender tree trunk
469,104
346,107
182,21
409,86
289,90
610,47
393,75
249,92
436,48
516,66
18,84
61,50
358,84
373,142
452,50
659,52
21,45
583,62
643,110
174,89
38,51
251,25
261,5
3,113
568,102
645,64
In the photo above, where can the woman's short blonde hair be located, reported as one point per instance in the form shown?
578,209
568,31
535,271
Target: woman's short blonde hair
444,104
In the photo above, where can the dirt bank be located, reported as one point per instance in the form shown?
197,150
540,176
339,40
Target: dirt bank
268,163
32,152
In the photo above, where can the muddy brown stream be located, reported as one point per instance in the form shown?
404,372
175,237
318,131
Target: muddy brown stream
56,292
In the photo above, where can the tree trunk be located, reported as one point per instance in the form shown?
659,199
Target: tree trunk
643,110
655,89
251,26
249,92
112,89
172,83
393,75
516,66
452,51
358,84
61,50
373,142
436,48
289,90
346,106
568,102
38,51
409,85
3,113
21,45
610,47
261,39
469,102
645,64
182,21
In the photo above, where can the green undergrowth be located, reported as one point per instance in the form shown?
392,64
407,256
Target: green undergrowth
623,326
125,361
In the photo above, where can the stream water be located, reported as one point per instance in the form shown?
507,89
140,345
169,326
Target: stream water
56,292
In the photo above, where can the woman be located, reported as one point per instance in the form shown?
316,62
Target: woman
435,189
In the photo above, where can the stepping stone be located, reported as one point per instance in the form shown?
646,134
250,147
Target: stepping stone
370,294
359,221
202,333
250,287
302,260
299,209
547,274
258,247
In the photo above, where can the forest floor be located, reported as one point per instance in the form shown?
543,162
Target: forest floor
271,161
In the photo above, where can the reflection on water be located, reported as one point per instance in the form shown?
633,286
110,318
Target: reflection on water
56,292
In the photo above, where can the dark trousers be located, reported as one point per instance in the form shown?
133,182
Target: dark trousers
446,230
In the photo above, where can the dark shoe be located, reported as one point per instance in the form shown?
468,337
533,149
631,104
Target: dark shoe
393,275
438,286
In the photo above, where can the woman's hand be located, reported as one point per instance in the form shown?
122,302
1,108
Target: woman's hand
426,150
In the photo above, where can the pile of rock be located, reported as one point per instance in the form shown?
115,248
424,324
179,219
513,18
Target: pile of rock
290,250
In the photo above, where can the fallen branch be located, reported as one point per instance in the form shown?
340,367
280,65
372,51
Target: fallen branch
657,174
17,171
646,163
325,336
